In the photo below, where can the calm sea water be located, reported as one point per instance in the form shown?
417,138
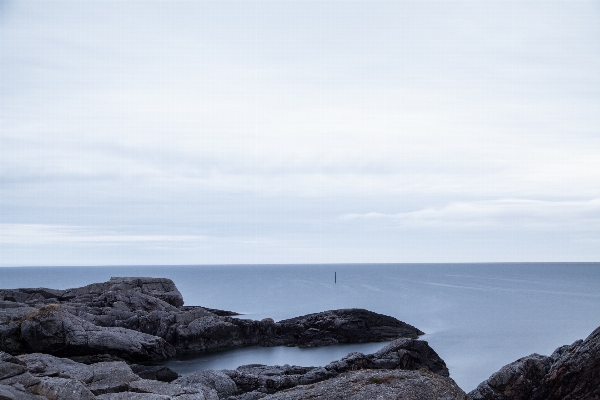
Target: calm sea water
478,317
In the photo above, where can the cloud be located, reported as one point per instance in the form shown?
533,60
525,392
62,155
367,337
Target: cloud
501,213
44,234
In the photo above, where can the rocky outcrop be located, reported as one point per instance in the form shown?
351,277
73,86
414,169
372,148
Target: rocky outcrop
42,376
373,384
140,319
349,326
570,373
254,380
57,378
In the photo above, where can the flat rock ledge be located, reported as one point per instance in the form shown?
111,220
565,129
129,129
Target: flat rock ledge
404,369
144,319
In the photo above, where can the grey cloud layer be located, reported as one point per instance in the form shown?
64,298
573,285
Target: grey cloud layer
255,120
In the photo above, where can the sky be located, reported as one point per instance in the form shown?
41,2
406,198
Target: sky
299,132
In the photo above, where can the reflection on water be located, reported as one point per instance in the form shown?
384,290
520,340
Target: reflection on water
281,355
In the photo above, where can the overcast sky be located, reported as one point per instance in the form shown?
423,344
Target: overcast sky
299,132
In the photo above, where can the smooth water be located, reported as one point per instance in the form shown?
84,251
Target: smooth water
478,317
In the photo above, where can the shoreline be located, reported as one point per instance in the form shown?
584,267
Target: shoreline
144,319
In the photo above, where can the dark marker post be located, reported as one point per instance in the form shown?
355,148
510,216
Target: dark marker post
335,277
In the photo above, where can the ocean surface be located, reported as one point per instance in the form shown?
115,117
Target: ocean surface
478,317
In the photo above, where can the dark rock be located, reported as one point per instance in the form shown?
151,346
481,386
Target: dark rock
43,365
110,377
10,393
25,382
223,385
63,389
222,313
133,396
409,354
154,372
95,358
570,373
99,378
517,380
143,319
249,396
350,326
65,379
405,354
171,390
161,288
53,330
14,373
382,384
10,366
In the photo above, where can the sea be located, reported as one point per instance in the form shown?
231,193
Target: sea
477,316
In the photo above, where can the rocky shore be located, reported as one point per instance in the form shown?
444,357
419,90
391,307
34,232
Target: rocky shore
91,343
142,319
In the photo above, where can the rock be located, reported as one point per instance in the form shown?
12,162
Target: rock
95,358
53,329
154,372
249,396
10,393
161,288
222,313
571,372
63,389
10,366
409,354
406,354
517,380
350,326
382,384
173,390
99,378
43,365
133,396
25,382
143,319
110,377
223,385
14,373
65,379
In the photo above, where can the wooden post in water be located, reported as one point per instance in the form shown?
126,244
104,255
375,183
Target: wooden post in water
335,277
